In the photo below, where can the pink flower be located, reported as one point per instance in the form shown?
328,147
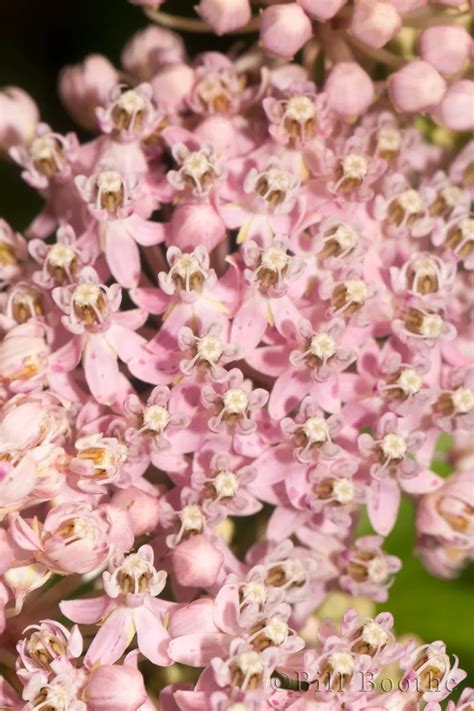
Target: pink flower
20,116
368,570
284,29
83,87
75,538
47,158
120,687
225,16
100,333
130,607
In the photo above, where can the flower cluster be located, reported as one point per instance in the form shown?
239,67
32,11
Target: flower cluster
431,77
238,323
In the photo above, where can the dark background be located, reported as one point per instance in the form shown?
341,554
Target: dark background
39,37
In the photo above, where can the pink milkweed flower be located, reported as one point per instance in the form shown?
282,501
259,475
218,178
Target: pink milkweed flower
49,647
224,485
19,118
217,87
25,357
298,117
61,261
311,433
129,113
161,434
429,670
207,353
462,168
444,525
453,408
372,636
235,402
425,274
313,368
47,158
367,570
334,491
110,196
456,237
101,334
13,251
197,169
97,463
118,687
421,327
392,466
449,198
350,171
245,668
401,384
402,209
65,689
83,87
74,538
337,670
260,201
150,49
128,607
337,241
273,277
21,303
284,29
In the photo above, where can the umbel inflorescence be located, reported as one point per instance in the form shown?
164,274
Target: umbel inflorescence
239,324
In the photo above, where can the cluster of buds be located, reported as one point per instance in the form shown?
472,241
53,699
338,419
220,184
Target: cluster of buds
239,323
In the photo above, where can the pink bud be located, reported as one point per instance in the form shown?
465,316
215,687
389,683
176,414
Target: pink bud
446,47
284,29
115,687
171,87
349,89
18,118
142,509
196,562
85,86
321,9
195,223
225,15
149,50
416,87
457,106
375,22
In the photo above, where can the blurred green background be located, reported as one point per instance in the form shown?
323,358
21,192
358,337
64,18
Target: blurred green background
37,38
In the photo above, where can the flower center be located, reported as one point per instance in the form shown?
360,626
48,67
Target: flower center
235,401
156,418
410,202
463,399
374,635
210,348
354,166
47,155
61,255
394,446
342,663
316,429
273,185
226,484
254,592
377,570
343,490
250,663
388,141
431,326
275,259
135,575
409,381
192,518
276,630
323,346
